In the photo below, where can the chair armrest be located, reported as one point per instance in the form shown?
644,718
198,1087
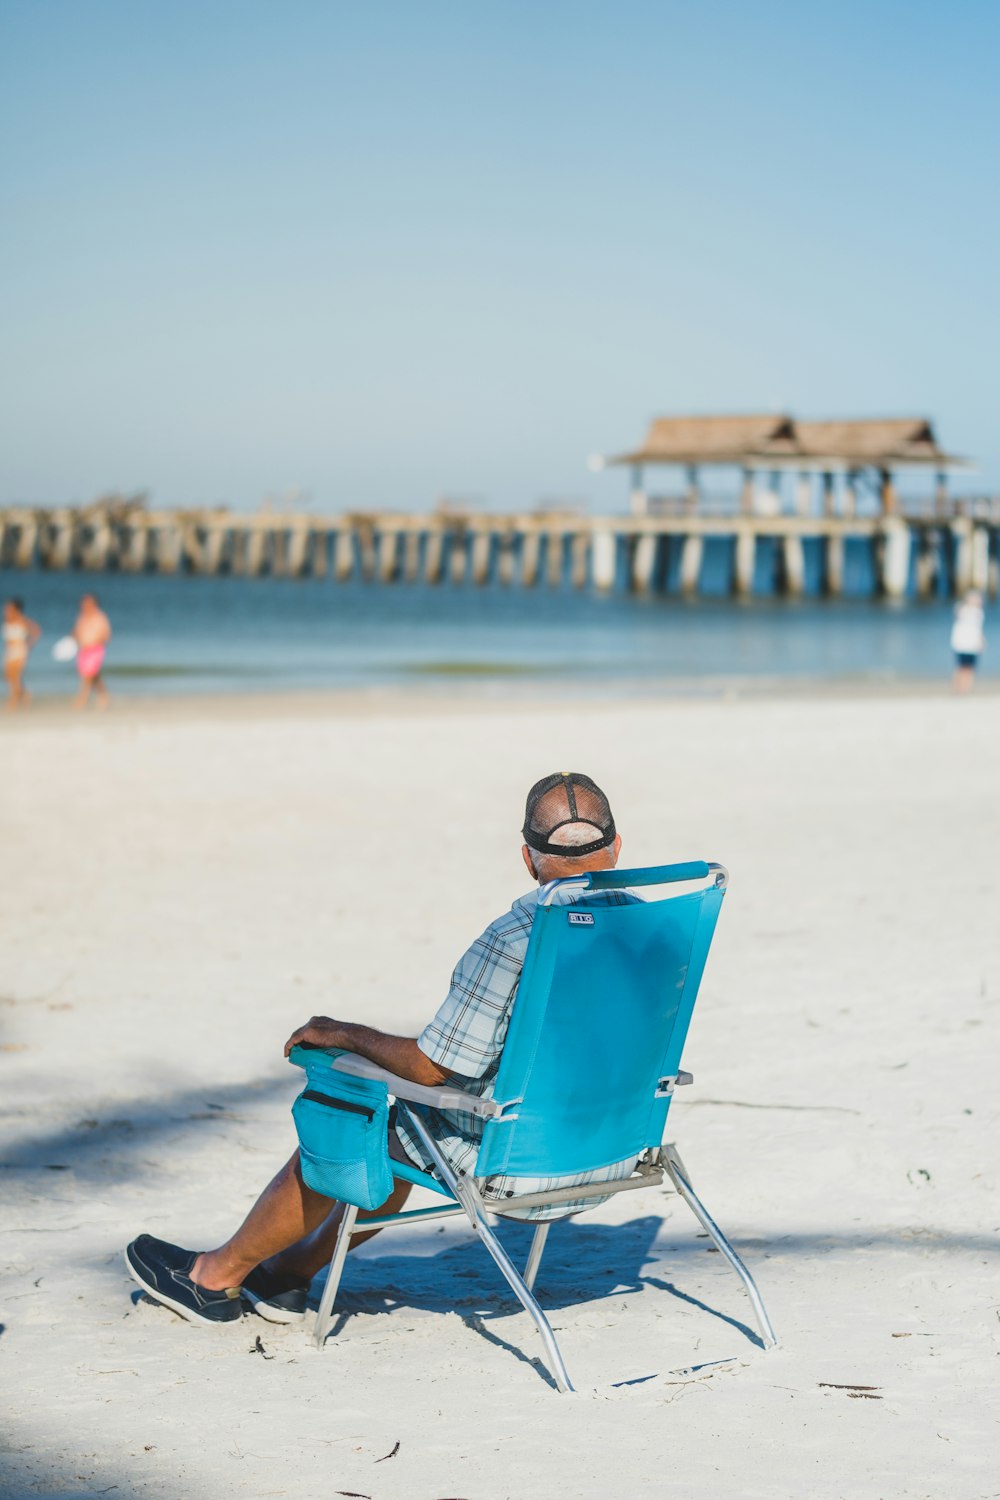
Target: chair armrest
419,1093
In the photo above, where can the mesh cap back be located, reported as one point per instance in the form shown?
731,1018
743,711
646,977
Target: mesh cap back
571,801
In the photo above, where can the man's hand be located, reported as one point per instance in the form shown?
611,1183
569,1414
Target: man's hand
396,1054
321,1031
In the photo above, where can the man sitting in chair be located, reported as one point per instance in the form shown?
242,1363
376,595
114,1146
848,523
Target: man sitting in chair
289,1234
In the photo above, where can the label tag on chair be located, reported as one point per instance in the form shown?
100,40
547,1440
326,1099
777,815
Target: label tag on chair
580,918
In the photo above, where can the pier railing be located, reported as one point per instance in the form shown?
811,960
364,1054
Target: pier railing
924,554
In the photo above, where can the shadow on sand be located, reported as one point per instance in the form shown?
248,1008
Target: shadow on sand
584,1262
90,1146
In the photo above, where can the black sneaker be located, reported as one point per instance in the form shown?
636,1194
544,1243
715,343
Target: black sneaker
274,1299
161,1270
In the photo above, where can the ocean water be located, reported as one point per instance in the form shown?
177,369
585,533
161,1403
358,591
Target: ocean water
191,635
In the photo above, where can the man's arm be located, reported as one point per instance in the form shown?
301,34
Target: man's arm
397,1054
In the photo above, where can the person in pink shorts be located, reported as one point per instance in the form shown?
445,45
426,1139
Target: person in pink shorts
92,633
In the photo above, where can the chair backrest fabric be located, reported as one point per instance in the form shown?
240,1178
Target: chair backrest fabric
601,1015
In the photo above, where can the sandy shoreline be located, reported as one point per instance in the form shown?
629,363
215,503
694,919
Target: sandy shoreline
424,698
186,881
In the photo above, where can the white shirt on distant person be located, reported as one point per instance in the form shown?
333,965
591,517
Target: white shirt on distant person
967,632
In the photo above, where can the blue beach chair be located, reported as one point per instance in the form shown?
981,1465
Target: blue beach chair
589,1066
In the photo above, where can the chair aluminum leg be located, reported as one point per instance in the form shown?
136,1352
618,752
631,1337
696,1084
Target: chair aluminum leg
324,1316
535,1254
677,1172
469,1200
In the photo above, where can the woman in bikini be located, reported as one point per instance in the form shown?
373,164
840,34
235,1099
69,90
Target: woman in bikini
19,635
92,633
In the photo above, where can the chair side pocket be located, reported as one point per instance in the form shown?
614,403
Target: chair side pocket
343,1129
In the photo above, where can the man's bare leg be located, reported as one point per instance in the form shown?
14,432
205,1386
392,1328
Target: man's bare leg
103,696
17,693
301,1261
290,1225
83,696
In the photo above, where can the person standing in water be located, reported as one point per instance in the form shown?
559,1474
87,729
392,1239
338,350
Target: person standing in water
92,632
967,640
19,635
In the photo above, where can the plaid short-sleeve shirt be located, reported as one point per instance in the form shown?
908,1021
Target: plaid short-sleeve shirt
466,1038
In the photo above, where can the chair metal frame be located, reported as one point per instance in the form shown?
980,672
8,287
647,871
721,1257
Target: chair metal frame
467,1195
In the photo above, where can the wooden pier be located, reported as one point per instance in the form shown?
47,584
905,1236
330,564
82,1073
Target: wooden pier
905,555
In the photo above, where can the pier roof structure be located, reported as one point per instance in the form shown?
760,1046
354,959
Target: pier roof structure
759,441
891,443
712,440
871,447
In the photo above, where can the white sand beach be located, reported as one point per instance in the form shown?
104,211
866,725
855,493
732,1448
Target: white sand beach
182,888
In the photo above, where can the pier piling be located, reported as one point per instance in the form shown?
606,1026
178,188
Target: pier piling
133,554
27,541
388,555
895,558
318,561
482,550
604,556
343,554
434,555
833,564
961,531
579,559
927,563
793,564
692,551
364,530
530,551
255,555
980,566
744,561
643,562
458,556
554,559
296,548
411,555
57,539
505,558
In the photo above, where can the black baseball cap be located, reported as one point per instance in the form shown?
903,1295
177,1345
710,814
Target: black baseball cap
585,803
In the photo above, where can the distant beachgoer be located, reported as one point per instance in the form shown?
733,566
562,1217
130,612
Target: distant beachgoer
92,632
967,640
19,635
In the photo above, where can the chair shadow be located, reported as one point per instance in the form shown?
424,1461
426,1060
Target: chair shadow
478,1325
584,1262
675,1291
374,1302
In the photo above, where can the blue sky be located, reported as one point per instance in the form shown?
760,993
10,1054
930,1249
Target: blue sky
391,251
